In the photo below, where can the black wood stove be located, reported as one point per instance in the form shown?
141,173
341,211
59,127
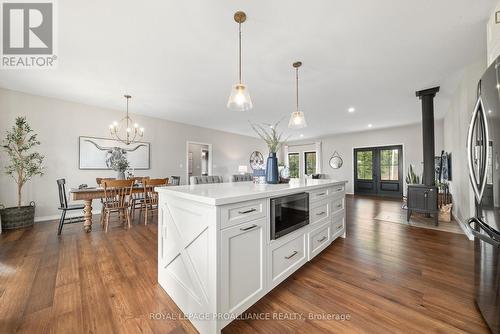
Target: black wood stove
424,197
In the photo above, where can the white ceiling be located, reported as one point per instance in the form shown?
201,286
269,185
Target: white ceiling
178,59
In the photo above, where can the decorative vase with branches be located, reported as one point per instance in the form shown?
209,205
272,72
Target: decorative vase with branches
274,140
23,164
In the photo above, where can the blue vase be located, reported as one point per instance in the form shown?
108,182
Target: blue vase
272,175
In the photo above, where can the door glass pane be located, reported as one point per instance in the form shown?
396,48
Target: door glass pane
293,164
310,163
389,165
364,165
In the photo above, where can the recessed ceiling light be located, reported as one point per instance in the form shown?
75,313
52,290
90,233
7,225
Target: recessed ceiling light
489,111
370,125
351,109
301,135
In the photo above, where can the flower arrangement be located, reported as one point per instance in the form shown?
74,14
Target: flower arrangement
120,164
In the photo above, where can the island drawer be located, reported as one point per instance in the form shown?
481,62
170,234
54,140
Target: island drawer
338,205
338,190
320,211
285,259
319,194
242,212
319,239
338,223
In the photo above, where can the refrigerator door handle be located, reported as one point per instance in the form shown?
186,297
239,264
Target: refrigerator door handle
486,238
478,185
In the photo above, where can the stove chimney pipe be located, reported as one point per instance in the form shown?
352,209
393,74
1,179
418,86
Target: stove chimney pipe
427,98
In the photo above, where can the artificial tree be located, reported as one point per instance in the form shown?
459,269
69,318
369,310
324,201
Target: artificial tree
23,163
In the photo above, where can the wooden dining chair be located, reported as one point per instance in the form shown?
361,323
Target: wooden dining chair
117,194
137,201
151,196
99,180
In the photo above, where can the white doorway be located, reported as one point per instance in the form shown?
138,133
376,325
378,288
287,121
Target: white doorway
198,159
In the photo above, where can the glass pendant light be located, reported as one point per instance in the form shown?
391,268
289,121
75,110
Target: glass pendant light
239,100
297,119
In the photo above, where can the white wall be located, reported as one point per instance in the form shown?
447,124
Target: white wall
493,36
59,123
455,125
409,136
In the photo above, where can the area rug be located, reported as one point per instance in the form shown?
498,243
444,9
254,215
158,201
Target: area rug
418,220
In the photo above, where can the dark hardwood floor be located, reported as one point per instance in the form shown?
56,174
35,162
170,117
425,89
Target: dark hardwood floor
385,277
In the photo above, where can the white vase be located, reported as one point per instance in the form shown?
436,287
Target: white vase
120,175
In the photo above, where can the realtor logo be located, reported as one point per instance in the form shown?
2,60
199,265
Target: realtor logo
28,35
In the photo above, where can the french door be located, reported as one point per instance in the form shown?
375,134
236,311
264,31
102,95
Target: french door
378,171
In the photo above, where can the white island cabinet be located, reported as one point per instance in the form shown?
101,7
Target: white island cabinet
215,254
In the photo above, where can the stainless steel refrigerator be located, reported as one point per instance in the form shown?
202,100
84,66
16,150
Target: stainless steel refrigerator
483,145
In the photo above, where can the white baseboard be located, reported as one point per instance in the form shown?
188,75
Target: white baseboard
56,217
464,227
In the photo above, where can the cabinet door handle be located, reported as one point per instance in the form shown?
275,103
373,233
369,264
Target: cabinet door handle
339,189
320,213
291,255
247,211
339,205
339,227
321,194
248,228
322,239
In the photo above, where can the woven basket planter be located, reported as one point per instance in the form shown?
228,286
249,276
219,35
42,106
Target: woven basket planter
14,218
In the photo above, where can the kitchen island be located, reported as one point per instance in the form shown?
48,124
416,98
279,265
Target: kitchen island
216,256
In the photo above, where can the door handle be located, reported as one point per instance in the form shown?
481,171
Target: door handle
477,185
320,213
490,239
247,211
322,239
291,255
248,228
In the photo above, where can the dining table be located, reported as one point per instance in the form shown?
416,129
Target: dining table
87,195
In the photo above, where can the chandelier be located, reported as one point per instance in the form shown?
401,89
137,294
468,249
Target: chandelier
126,130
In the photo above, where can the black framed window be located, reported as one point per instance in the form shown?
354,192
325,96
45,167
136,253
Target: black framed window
364,165
309,163
389,165
293,164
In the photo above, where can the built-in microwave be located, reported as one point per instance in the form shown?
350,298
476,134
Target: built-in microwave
289,213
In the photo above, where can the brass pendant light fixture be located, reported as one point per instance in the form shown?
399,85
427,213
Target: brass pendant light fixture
297,119
239,100
126,130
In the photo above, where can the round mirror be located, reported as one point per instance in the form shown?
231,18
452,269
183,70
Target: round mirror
256,160
336,161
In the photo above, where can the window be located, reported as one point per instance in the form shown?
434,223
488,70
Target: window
364,165
310,163
293,164
389,165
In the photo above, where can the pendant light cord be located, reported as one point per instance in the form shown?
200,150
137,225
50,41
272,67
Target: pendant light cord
239,50
297,86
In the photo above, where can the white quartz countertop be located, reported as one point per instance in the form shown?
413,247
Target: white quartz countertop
233,192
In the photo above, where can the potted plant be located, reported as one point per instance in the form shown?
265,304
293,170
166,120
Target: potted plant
120,165
269,133
23,165
412,177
